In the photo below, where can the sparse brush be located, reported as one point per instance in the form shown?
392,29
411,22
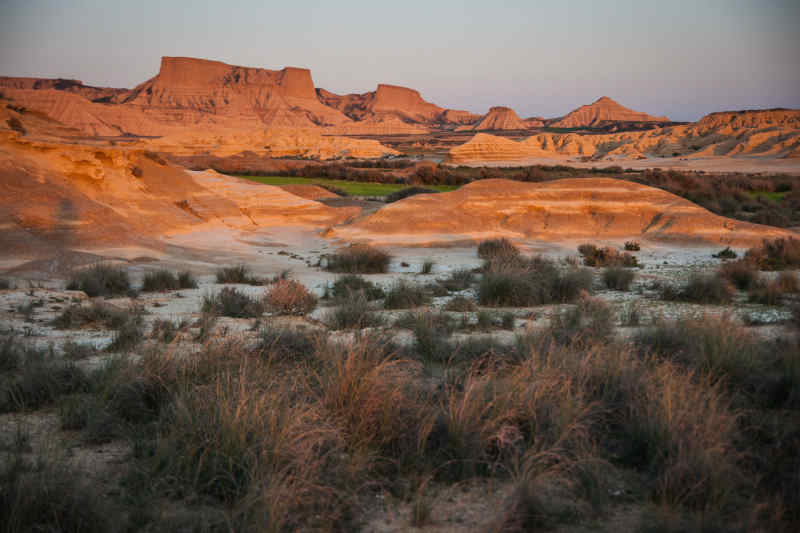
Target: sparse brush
427,266
725,253
743,274
702,288
461,304
497,248
238,274
589,322
166,280
355,312
76,351
534,281
458,280
163,330
348,284
128,334
778,254
618,278
100,280
632,246
431,331
602,257
359,259
290,297
404,295
233,303
285,344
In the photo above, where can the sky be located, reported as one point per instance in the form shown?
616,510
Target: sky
678,58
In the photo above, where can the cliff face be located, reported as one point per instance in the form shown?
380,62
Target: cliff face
603,110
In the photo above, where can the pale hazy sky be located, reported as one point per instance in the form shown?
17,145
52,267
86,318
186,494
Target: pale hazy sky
680,58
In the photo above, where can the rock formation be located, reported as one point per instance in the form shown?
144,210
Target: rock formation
602,111
499,118
554,211
771,133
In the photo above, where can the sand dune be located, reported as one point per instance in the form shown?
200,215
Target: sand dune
569,209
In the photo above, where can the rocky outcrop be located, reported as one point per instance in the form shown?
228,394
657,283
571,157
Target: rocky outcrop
771,134
378,125
554,211
501,118
95,94
604,110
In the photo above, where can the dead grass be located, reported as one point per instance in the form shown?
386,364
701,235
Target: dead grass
359,259
290,297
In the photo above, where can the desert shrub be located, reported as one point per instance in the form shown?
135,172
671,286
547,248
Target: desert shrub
603,257
713,345
359,259
75,351
497,248
77,315
778,254
128,334
349,284
407,192
774,291
100,280
290,297
4,285
431,333
355,312
508,320
529,282
743,274
461,304
163,330
166,280
43,495
233,303
237,274
725,253
589,322
39,379
458,280
285,344
618,278
427,266
702,288
404,295
632,246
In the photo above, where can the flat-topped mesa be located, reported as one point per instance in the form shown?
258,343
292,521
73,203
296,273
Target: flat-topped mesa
757,118
404,101
603,110
106,94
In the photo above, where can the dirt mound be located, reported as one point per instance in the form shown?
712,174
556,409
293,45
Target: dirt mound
569,209
61,196
378,125
603,110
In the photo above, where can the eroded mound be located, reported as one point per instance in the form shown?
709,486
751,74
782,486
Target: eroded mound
59,196
603,110
590,208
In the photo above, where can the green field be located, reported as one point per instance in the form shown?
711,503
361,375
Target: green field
776,196
353,188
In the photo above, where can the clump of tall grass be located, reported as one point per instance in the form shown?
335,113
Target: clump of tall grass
527,282
497,248
618,278
233,303
354,313
778,254
349,284
166,280
404,295
238,274
703,289
605,257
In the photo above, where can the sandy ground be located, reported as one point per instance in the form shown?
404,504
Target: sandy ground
748,164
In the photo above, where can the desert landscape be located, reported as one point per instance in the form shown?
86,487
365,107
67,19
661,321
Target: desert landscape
232,299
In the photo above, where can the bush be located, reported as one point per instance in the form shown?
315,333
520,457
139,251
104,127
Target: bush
345,286
601,257
359,259
165,280
743,274
461,304
233,303
497,248
431,331
407,192
772,292
778,254
632,246
75,351
4,285
290,297
237,274
354,312
589,322
704,289
403,295
284,344
725,253
100,280
163,330
458,280
618,278
77,315
530,282
427,266
128,334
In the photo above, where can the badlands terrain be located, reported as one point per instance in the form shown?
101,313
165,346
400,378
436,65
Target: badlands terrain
578,323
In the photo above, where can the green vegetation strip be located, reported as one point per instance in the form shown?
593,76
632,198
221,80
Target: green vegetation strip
776,196
353,188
